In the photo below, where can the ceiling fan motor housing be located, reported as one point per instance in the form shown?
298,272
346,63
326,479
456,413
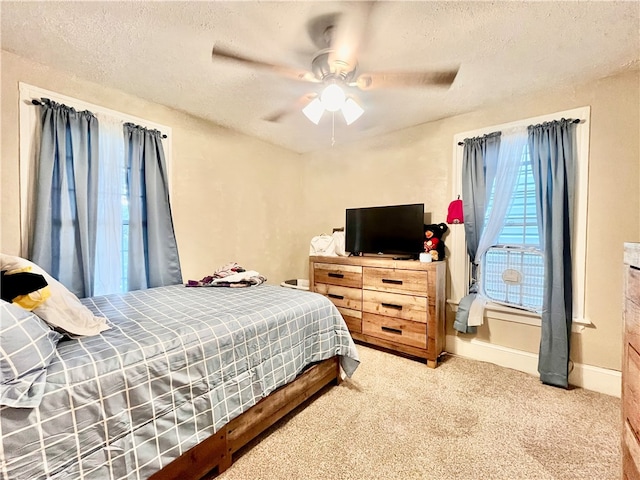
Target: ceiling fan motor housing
337,70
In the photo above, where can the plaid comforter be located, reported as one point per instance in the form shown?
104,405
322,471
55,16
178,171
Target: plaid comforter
177,364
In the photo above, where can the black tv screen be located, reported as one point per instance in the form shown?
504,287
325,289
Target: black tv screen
395,229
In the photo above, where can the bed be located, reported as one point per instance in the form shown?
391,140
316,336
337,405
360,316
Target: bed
180,381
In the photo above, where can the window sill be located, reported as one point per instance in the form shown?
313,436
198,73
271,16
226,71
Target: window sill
510,314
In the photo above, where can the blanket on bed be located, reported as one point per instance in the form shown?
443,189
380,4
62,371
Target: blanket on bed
176,365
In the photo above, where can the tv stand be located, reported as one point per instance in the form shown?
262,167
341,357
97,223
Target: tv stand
394,304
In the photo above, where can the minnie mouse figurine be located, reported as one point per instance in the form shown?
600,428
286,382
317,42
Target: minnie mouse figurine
433,243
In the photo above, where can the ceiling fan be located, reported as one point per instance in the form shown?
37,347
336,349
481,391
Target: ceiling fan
335,67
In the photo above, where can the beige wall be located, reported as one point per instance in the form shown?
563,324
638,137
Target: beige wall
415,165
234,198
237,198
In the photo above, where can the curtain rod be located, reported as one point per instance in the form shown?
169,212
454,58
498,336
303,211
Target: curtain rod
38,102
577,120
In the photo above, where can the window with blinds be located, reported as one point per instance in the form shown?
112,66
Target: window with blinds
512,271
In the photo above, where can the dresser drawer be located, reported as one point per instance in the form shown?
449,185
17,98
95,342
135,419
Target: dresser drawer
353,319
408,307
395,330
631,394
346,297
395,280
632,308
333,274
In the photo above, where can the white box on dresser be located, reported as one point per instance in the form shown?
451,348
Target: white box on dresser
395,304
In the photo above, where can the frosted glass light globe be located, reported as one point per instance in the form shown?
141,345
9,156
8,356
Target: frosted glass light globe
332,98
351,111
314,110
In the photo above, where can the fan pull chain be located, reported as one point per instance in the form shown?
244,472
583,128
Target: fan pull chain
333,128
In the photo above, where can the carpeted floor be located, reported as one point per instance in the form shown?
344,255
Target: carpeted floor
398,419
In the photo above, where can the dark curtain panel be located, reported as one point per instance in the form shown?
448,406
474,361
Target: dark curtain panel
552,147
64,235
480,157
153,252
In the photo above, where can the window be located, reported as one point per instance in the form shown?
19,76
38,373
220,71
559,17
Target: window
512,272
517,250
521,223
111,223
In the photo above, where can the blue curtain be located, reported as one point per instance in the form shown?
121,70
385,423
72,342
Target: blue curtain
64,234
480,157
153,253
552,147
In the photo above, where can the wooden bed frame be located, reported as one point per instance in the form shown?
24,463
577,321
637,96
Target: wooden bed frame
215,454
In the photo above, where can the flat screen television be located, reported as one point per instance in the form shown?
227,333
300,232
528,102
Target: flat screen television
394,229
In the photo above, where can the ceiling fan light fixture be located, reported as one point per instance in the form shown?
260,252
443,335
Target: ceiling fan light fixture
332,98
351,111
314,110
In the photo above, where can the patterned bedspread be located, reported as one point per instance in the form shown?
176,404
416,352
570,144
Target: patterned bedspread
177,364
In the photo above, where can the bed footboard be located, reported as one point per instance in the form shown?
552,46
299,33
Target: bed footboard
215,454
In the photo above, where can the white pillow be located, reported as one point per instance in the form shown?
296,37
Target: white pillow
62,310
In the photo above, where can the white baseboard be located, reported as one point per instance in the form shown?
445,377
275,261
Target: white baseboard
588,377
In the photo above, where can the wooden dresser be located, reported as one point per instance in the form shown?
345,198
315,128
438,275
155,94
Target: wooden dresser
631,364
395,304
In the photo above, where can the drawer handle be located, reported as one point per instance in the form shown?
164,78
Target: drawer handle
391,305
336,275
397,331
389,280
333,295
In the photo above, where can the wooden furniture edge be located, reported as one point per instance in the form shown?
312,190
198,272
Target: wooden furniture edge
632,254
630,438
373,261
216,452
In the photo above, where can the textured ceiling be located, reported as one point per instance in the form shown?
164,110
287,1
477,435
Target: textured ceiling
161,51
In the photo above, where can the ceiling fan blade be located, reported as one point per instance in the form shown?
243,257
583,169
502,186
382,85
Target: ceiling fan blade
348,34
293,73
370,81
297,106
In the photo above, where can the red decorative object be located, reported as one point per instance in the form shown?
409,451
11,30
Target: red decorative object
455,215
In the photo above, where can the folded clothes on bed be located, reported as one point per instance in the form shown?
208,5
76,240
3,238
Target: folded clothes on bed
229,275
